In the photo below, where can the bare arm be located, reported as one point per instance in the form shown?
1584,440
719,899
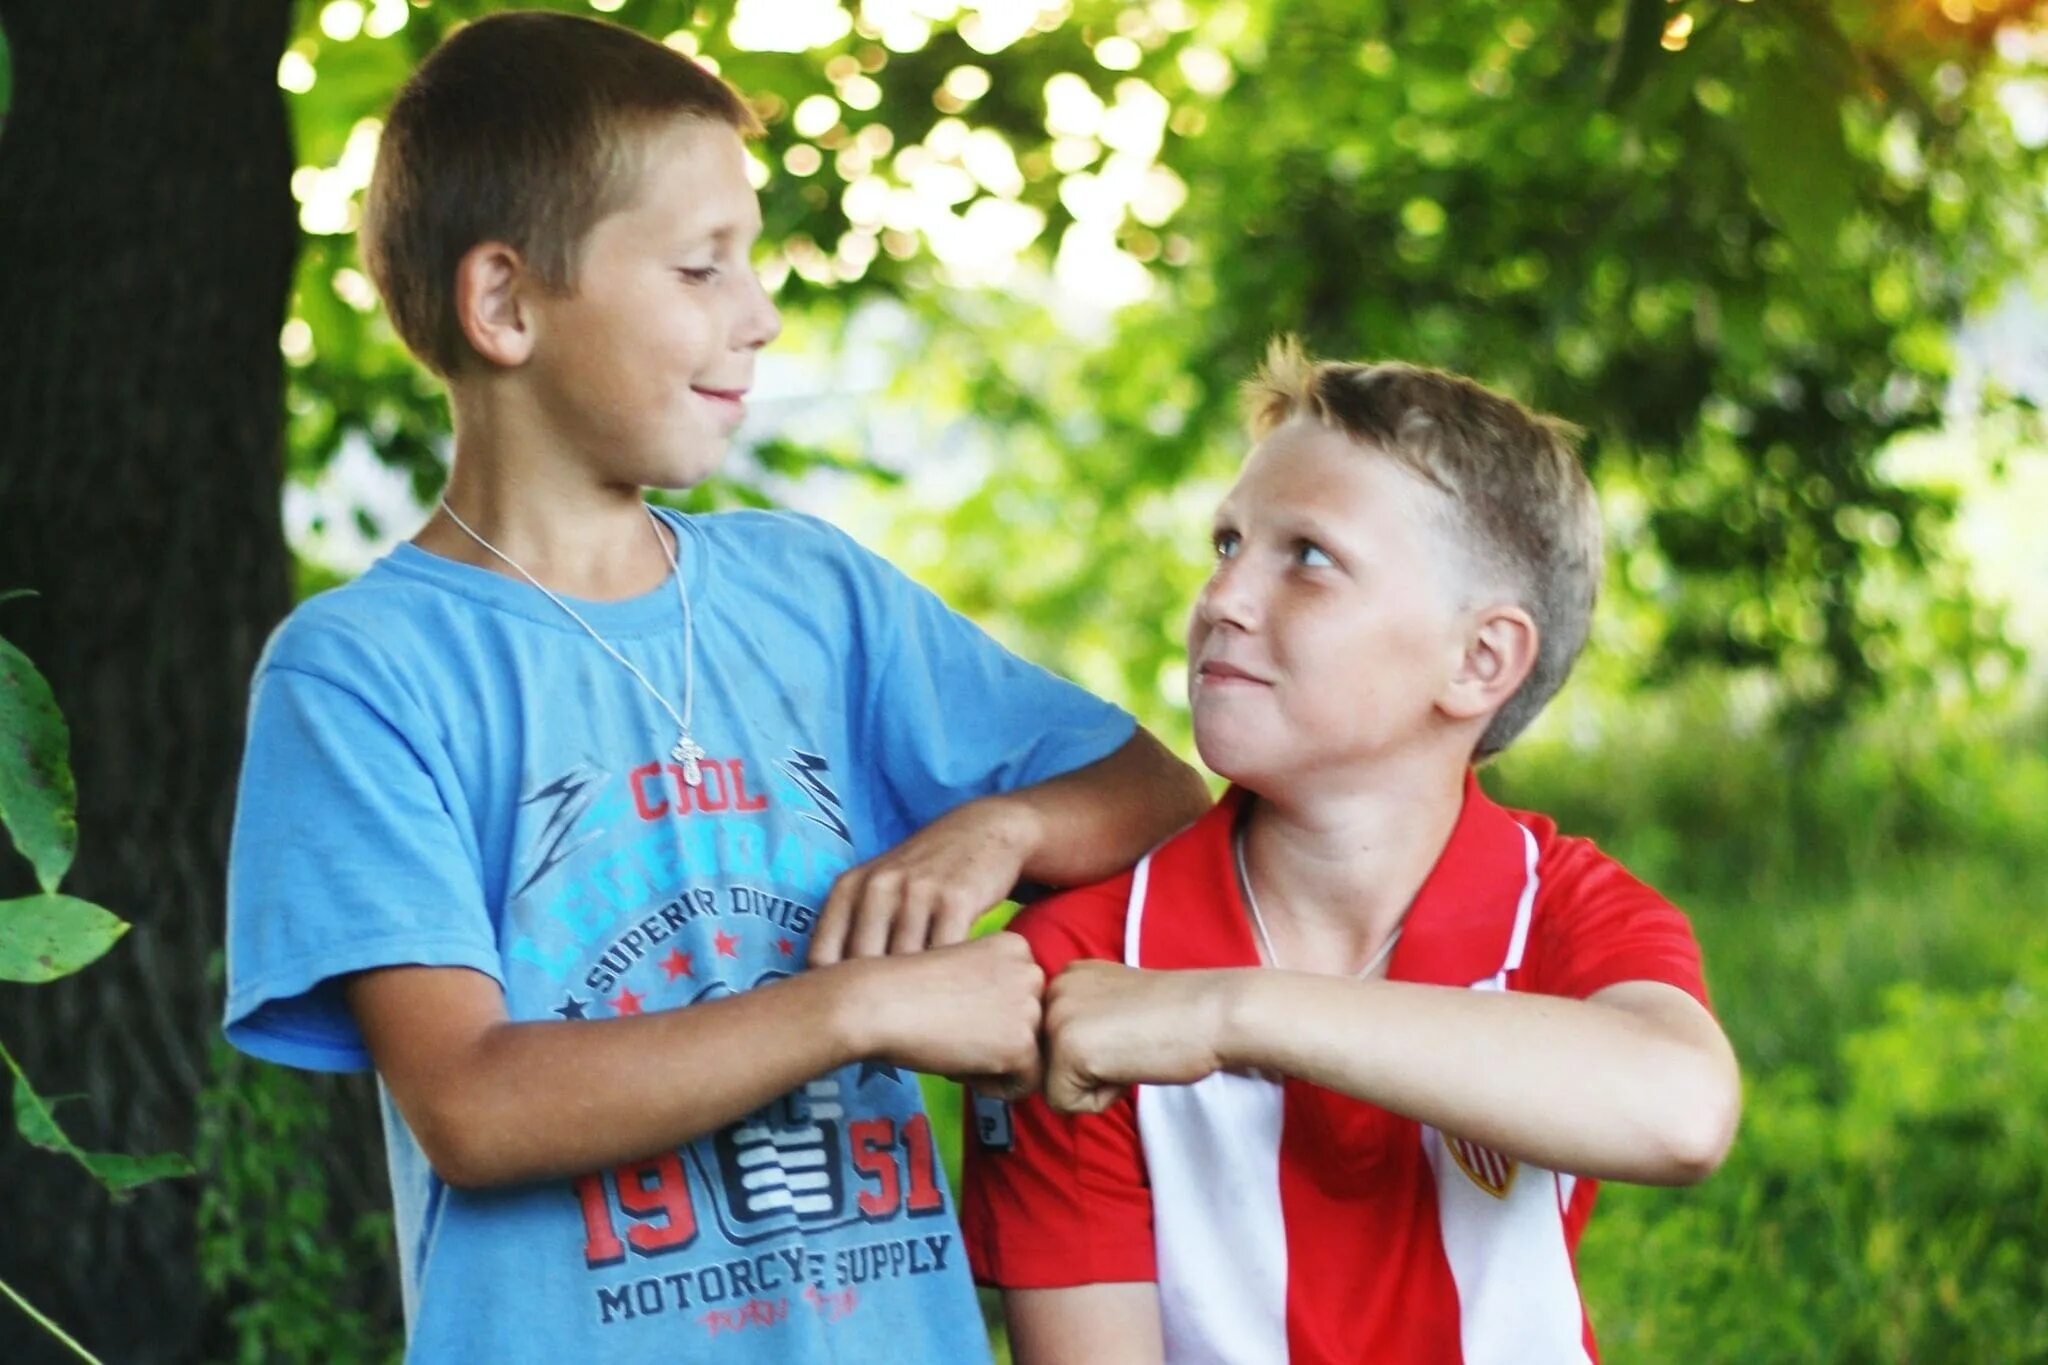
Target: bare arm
1085,1324
1637,1083
492,1101
1079,827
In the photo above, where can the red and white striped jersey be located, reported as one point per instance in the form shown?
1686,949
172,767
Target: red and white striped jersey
1284,1222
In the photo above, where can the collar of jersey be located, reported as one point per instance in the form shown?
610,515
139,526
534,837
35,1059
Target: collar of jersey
1459,925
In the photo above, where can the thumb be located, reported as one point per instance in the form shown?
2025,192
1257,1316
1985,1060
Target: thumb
1068,1088
1079,1096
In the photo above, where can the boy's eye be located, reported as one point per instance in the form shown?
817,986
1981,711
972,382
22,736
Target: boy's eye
1226,544
1313,556
703,274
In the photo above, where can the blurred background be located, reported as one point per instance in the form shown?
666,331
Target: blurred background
1782,260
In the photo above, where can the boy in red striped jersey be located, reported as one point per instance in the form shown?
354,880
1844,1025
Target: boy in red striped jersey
1332,1074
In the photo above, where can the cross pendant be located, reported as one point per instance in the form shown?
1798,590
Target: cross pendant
690,754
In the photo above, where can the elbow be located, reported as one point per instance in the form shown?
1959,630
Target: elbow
1701,1127
454,1151
1186,795
460,1142
1194,796
462,1166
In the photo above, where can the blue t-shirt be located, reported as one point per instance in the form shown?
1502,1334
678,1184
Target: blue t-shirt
443,769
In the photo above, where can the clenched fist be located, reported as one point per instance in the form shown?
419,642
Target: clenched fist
1108,1027
972,1009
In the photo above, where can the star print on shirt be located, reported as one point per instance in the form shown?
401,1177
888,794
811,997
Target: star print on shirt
571,1007
870,1070
678,964
785,947
625,1002
728,945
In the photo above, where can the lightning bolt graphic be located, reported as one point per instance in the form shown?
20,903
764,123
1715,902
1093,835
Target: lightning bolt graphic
804,769
573,793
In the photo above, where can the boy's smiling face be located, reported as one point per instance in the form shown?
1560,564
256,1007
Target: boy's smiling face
643,367
1332,626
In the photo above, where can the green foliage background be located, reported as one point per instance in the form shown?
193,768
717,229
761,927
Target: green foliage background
1733,241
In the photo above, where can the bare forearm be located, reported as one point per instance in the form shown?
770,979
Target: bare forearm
1096,821
531,1100
493,1102
1570,1085
1090,1322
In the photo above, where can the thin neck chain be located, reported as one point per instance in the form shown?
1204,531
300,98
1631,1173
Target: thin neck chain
1251,903
686,751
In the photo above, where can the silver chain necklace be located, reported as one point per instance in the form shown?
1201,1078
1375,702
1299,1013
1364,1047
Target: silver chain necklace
687,751
1251,903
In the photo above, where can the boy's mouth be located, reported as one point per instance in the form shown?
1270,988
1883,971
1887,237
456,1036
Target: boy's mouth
734,396
1217,671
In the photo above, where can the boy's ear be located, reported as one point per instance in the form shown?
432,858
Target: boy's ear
493,305
1500,651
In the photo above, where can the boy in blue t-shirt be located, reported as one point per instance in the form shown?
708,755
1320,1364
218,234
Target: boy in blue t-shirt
543,815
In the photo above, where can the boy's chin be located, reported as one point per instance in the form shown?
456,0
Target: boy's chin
1233,764
683,471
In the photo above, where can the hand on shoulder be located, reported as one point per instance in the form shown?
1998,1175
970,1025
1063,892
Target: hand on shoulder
928,891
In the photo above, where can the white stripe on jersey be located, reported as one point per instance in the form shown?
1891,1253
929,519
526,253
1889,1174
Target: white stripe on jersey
1518,1298
1212,1151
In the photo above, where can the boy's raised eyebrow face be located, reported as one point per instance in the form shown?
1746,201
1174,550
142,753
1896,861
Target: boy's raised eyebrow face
727,234
1287,519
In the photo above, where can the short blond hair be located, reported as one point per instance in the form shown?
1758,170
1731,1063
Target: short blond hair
524,128
1524,508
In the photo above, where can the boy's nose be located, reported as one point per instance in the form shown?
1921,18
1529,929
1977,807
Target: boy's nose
1228,598
763,320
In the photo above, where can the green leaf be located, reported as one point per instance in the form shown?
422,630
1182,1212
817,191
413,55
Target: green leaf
45,937
1798,162
35,1119
38,802
13,593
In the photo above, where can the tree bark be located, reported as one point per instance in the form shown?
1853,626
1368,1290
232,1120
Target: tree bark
147,238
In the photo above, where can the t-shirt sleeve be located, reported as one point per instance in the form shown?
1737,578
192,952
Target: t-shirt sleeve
951,715
1049,1200
344,858
1597,926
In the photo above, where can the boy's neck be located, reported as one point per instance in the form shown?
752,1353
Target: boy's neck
576,534
1340,868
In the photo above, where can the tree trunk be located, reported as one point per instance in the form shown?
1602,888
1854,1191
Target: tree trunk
147,237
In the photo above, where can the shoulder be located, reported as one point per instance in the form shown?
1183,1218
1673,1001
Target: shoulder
795,558
382,639
1575,876
762,533
344,633
1086,922
1596,924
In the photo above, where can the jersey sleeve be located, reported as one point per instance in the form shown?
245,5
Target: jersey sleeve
344,857
951,715
1051,1201
1597,926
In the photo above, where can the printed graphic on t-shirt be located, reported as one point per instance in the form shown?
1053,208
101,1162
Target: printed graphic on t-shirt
640,892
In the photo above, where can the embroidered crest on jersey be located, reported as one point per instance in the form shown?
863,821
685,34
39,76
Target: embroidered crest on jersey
1483,1166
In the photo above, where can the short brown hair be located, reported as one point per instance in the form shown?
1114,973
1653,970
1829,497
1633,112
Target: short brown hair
1524,507
520,128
